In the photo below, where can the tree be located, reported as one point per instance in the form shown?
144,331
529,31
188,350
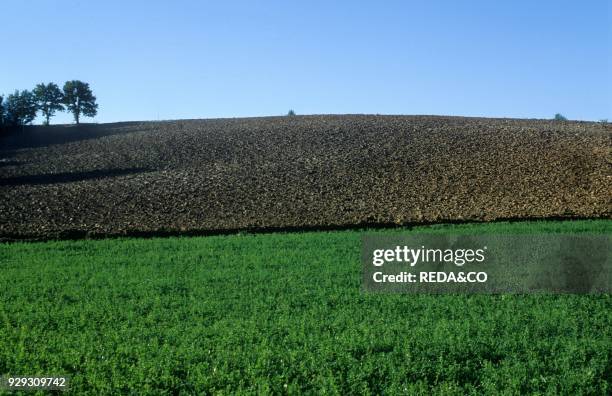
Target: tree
560,117
79,99
20,108
291,113
1,113
49,99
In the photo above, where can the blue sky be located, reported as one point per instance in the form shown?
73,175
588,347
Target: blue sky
148,60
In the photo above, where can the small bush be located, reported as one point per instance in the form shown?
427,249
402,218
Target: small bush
604,121
560,117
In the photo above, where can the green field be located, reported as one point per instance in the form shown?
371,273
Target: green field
283,313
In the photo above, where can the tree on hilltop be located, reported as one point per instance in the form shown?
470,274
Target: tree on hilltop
1,112
79,99
20,108
49,99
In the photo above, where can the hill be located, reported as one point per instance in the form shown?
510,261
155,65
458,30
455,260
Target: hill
297,172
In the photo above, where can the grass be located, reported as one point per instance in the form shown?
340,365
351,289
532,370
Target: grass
283,313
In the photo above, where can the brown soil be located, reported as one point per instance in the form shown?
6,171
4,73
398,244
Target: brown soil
298,172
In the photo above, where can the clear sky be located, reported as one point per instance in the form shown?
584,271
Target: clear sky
148,60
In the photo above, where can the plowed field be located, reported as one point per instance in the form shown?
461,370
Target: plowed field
298,172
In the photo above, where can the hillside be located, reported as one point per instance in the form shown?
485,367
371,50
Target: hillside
297,172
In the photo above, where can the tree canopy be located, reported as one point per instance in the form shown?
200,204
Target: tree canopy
79,99
49,99
20,108
1,112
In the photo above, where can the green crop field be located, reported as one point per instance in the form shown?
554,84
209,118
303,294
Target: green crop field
283,313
